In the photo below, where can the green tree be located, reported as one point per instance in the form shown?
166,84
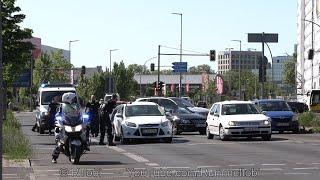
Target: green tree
51,68
289,71
16,50
83,88
204,68
97,85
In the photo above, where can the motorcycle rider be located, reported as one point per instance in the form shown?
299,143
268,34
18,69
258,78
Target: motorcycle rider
92,108
105,120
68,106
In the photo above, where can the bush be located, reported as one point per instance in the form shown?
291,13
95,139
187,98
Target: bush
316,129
15,145
306,118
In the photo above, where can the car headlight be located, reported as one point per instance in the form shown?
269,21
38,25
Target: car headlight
232,123
294,118
130,124
44,113
184,121
166,123
78,128
266,122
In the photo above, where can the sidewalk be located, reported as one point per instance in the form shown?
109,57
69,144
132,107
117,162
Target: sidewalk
12,169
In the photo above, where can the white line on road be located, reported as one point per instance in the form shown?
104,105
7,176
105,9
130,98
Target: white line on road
241,165
113,169
273,164
193,144
52,170
315,163
152,164
207,166
136,157
297,173
271,169
305,168
117,149
106,173
173,167
9,174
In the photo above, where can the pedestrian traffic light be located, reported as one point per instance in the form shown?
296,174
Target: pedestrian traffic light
83,70
310,54
152,66
212,55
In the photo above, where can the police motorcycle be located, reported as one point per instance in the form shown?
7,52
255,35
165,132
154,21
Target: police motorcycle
70,129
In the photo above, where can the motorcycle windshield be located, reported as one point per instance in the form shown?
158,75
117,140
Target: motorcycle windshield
72,115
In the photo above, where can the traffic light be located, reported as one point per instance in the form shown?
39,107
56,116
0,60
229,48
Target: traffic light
310,54
212,55
263,69
152,66
83,70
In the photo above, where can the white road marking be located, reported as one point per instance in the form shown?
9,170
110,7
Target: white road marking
10,174
106,173
305,168
207,166
273,164
136,157
315,163
152,164
297,173
117,149
271,169
12,177
241,165
53,170
193,144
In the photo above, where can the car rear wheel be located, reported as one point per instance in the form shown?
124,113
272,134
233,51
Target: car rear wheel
266,137
209,135
222,134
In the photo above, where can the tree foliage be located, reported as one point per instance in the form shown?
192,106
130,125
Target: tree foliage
16,50
289,71
204,68
51,68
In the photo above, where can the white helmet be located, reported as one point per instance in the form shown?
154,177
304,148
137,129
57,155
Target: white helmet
69,97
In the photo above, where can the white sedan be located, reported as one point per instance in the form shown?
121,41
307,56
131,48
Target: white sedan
141,120
237,119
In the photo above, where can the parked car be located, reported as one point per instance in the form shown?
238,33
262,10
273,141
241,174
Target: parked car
141,120
183,119
282,116
298,107
237,119
186,104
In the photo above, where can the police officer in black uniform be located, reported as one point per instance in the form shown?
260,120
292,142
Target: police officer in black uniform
92,108
105,120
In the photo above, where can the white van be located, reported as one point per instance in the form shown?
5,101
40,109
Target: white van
45,95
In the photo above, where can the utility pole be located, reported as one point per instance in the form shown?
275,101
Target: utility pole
158,92
1,79
262,61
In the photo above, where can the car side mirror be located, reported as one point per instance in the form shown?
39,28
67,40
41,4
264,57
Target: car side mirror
36,103
264,113
211,113
119,116
216,115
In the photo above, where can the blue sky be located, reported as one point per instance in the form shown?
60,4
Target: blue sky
137,27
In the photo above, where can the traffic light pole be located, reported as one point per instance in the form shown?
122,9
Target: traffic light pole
262,62
157,87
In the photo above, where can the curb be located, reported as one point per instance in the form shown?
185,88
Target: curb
25,163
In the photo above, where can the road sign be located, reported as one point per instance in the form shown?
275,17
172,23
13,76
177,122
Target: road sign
265,37
179,66
23,80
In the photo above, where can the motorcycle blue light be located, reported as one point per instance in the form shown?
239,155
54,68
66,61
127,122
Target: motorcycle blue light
59,118
85,116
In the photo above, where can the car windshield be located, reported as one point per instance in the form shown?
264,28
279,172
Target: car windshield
47,96
182,102
274,106
143,110
182,110
234,109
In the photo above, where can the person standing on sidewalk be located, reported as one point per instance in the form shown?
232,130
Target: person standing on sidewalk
105,120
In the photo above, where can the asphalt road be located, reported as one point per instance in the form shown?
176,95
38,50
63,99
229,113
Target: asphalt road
190,156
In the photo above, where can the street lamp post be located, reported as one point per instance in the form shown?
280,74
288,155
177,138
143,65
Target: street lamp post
143,71
255,68
180,84
110,88
230,63
239,68
70,56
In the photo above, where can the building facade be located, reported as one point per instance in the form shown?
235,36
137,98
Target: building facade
308,34
229,60
278,68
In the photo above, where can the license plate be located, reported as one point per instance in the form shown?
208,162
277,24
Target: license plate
149,131
251,129
200,125
283,124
